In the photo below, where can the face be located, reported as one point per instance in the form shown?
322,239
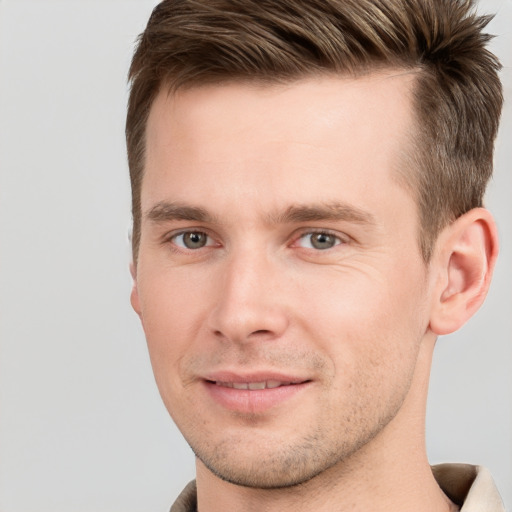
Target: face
279,280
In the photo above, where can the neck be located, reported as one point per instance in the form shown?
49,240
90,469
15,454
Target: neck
391,472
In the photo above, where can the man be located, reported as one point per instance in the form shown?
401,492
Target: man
307,182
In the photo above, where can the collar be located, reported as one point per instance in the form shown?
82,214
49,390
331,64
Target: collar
470,487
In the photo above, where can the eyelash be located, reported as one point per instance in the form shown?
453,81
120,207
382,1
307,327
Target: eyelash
338,240
181,247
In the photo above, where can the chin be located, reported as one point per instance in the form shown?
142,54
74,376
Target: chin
264,478
277,468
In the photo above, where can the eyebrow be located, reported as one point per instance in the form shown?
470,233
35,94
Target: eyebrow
164,211
320,212
168,211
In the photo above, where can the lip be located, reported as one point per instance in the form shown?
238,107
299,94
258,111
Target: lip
226,389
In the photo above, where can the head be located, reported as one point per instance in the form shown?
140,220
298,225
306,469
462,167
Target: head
457,92
294,167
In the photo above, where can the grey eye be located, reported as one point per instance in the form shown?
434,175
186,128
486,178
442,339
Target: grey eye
191,240
319,241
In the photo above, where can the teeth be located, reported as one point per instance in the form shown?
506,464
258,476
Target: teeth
257,385
268,384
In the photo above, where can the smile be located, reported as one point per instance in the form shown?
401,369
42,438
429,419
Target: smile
266,384
254,395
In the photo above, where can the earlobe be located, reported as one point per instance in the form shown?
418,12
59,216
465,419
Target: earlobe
134,295
465,254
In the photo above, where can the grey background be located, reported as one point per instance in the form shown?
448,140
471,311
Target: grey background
81,423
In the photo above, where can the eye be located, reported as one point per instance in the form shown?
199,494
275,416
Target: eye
192,240
319,241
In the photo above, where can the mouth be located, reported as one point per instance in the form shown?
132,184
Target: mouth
265,384
253,394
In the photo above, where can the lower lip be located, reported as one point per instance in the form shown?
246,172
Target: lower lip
253,401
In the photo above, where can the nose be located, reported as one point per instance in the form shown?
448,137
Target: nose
249,300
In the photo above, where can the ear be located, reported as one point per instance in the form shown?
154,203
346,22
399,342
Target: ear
463,262
134,295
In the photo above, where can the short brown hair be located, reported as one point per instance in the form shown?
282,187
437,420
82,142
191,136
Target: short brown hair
457,96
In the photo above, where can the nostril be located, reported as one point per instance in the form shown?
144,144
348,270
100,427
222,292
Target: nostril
254,335
261,331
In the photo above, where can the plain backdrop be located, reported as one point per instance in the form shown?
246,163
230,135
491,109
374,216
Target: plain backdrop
81,423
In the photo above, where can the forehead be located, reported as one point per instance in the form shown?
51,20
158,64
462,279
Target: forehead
385,92
271,137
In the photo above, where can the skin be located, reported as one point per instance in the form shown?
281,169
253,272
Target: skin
310,272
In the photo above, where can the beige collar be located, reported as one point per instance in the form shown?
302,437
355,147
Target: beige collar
470,487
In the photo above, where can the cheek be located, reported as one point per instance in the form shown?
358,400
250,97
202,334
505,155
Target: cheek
171,312
373,348
170,301
367,319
